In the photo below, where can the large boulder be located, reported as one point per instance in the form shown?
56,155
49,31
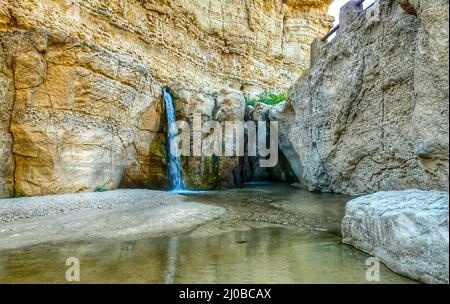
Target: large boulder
407,230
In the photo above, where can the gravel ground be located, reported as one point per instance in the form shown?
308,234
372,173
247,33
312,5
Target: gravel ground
30,207
119,214
145,213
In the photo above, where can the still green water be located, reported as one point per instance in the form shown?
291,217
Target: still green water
216,253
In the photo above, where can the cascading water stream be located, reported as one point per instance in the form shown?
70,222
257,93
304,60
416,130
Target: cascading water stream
173,161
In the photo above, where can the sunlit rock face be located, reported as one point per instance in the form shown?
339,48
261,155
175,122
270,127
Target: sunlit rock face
372,113
80,81
79,114
211,43
6,103
406,230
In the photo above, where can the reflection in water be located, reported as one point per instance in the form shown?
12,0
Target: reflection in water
169,275
269,255
280,203
239,237
219,252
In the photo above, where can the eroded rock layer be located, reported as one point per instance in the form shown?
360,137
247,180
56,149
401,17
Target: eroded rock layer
80,81
372,113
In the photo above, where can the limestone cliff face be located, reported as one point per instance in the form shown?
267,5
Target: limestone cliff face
205,42
80,81
7,92
372,113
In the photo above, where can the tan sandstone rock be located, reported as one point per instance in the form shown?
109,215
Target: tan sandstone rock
76,114
6,104
85,78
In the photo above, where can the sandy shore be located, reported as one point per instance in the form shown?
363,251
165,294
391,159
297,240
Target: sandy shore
113,214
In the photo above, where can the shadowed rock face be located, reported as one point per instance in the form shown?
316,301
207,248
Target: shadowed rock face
80,82
221,107
206,172
372,113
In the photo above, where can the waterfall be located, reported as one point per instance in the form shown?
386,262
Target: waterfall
173,161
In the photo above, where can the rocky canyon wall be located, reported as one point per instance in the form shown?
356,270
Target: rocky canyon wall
372,113
80,81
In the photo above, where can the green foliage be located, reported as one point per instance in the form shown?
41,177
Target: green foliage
268,98
100,189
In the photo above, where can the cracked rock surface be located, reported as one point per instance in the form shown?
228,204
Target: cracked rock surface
372,113
406,230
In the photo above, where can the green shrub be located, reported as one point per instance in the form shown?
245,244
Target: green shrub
268,98
100,189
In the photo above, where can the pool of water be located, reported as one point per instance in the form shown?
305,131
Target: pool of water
246,251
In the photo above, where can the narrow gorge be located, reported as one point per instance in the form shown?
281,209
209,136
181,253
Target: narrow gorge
82,82
93,95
